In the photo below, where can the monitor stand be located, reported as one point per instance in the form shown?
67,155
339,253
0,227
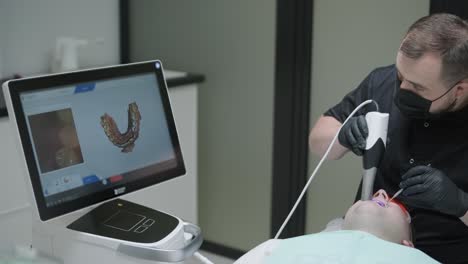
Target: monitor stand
135,230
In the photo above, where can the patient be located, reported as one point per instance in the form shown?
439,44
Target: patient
388,221
375,231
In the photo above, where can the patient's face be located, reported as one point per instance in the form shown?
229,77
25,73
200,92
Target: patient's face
389,221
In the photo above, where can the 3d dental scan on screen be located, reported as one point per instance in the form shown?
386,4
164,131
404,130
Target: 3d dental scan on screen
89,136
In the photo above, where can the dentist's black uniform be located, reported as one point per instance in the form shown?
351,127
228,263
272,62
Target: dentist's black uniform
428,154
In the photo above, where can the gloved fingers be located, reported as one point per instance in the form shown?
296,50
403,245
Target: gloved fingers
418,170
358,151
414,190
357,133
408,182
350,138
362,123
354,143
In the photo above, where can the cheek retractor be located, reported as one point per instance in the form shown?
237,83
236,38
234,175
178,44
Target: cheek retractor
380,203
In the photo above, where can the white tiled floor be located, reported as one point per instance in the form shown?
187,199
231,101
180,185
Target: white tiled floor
212,257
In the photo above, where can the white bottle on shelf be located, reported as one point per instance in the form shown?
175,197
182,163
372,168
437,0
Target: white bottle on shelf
65,56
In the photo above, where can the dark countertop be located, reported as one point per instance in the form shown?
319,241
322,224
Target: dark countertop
189,78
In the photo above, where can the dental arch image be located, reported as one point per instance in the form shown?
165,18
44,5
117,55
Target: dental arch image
126,140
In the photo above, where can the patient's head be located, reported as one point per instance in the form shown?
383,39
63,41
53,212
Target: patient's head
389,222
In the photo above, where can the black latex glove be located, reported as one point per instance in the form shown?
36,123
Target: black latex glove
353,135
429,188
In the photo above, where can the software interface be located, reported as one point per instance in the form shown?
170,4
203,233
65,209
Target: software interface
92,136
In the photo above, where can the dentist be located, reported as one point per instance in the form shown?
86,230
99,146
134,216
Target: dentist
426,95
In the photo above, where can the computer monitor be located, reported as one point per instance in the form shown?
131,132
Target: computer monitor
92,135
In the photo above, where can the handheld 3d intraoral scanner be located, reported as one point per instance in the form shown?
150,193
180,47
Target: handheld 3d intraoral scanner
377,124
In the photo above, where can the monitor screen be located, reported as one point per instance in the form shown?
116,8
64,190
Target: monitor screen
93,135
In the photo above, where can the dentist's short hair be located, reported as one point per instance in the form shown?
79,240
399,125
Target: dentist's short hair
443,34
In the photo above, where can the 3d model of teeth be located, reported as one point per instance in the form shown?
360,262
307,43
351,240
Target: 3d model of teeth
125,141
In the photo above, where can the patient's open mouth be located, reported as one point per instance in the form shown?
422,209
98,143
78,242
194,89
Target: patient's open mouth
380,203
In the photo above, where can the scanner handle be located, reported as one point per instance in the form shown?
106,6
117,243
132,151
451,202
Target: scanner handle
375,148
166,255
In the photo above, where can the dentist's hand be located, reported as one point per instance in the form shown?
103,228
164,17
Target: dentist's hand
429,188
353,135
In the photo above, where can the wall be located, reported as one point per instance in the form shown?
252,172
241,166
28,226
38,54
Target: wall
350,39
232,43
2,29
27,35
30,29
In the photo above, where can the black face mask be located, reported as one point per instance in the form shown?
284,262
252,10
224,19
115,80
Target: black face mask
414,106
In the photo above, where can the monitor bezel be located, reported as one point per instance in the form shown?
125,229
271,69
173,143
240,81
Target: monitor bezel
16,87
